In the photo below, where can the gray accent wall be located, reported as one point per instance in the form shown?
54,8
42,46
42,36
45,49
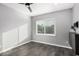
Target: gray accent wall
63,23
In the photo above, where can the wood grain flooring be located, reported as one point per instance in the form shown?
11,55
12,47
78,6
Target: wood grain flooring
38,49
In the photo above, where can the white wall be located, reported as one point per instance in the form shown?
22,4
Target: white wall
76,12
15,27
10,18
0,41
25,32
10,39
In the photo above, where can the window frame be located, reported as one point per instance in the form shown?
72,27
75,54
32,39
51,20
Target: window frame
54,23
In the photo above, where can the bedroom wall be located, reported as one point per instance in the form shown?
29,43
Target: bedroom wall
15,27
0,41
76,12
63,23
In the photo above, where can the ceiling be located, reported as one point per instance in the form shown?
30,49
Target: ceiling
42,8
39,8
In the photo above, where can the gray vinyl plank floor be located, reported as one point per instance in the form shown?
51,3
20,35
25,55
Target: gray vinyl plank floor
38,49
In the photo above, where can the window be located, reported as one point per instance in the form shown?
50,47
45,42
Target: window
46,27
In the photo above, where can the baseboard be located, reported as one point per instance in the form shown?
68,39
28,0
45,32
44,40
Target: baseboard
13,47
52,44
34,41
23,43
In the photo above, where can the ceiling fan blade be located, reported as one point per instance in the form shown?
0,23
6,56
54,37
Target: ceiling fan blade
29,9
27,5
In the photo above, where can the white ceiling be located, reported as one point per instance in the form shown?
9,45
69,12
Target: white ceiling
42,8
39,8
18,7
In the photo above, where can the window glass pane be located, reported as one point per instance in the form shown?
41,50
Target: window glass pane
40,28
49,29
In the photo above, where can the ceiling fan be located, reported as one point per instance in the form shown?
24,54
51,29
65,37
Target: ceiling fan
27,5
